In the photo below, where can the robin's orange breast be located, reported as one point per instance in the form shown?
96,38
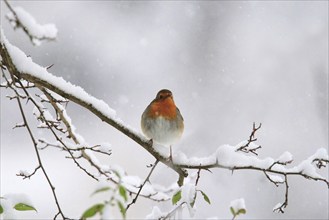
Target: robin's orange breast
165,108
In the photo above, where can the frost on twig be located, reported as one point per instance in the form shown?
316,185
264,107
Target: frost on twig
19,18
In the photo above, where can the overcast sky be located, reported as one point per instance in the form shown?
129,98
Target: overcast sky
228,64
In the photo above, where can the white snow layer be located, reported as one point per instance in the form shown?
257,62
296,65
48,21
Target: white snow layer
285,157
10,200
276,178
28,21
25,64
238,204
227,156
156,213
188,195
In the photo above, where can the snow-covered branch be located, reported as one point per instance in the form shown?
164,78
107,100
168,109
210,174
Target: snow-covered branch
227,157
19,18
22,66
56,92
35,144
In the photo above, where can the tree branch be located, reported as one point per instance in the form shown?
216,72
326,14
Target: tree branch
20,23
55,84
141,187
142,141
245,148
60,212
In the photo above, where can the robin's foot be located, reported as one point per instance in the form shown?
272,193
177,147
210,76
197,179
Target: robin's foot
170,156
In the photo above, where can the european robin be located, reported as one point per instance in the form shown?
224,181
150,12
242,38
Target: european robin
162,121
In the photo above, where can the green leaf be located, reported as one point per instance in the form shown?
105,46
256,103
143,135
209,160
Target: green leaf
241,211
23,207
117,173
1,209
232,211
236,213
205,197
92,211
193,202
122,209
176,197
106,188
123,192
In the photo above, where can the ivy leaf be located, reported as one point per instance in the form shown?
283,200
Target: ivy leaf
1,209
123,192
92,211
205,197
23,207
122,209
176,197
106,188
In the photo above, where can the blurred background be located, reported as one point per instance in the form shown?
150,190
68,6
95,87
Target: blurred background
228,64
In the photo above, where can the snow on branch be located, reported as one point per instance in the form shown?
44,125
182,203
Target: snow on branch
19,18
227,157
243,156
22,66
113,175
40,166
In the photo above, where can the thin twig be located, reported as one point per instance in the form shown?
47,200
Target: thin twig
276,183
251,139
38,155
141,187
285,203
29,176
18,23
198,177
146,144
172,212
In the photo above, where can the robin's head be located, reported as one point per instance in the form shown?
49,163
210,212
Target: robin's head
163,95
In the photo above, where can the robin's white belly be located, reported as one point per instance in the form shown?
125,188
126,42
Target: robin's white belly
163,131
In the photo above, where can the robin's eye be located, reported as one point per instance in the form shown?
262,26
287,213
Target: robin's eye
160,96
